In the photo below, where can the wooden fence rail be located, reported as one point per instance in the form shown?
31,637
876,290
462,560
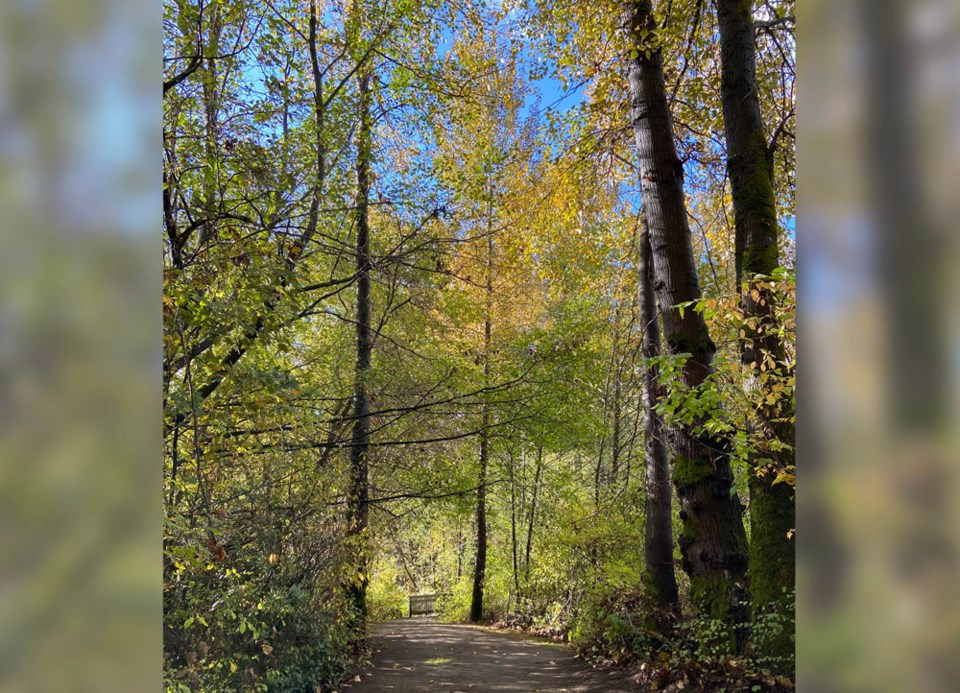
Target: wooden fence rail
423,604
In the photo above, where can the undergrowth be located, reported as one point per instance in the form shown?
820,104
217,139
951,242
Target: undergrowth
665,650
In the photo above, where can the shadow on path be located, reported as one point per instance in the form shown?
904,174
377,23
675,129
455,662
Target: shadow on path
420,654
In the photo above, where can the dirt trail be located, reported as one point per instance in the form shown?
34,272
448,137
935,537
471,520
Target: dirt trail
420,654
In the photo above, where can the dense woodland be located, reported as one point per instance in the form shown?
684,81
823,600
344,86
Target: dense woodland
489,299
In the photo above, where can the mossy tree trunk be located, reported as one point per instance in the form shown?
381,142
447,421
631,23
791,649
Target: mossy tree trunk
712,540
750,166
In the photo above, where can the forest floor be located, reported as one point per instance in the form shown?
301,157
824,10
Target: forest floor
419,654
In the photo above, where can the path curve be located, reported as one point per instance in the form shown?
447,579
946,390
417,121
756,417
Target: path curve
420,654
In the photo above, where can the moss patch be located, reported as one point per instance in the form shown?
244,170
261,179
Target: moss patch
689,472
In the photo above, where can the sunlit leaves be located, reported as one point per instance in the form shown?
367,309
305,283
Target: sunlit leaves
254,467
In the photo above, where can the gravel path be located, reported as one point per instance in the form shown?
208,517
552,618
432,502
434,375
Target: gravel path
420,654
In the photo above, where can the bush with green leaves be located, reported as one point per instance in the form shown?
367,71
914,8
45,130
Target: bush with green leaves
288,640
386,597
772,624
454,607
620,625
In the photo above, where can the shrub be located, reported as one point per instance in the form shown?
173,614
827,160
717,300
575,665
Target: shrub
772,625
288,640
620,625
454,607
386,598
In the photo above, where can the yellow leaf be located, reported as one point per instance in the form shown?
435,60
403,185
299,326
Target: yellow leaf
785,477
233,667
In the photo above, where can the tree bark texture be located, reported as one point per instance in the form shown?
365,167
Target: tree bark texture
750,167
712,539
661,581
358,509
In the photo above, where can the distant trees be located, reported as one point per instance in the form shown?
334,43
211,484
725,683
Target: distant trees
486,146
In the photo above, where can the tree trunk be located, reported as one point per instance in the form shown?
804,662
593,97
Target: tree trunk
211,107
750,166
479,570
459,548
712,539
360,441
615,450
533,514
319,113
480,566
598,469
661,581
513,528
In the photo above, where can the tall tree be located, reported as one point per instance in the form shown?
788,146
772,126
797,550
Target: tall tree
712,541
658,531
750,166
358,510
480,567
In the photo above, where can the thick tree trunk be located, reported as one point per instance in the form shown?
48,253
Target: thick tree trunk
360,441
712,539
750,166
661,581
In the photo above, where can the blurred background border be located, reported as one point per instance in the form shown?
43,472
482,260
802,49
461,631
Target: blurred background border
879,167
80,339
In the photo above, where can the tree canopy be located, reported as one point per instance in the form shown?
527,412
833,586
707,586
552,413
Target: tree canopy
406,347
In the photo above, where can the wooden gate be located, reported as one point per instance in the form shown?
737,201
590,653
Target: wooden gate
423,604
